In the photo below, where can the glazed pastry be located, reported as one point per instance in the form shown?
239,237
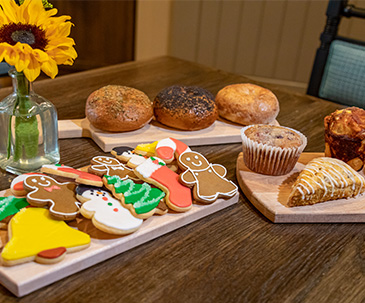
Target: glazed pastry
324,179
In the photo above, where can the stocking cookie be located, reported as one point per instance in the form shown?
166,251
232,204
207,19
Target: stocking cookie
69,172
106,212
141,199
207,179
102,165
34,235
60,197
153,171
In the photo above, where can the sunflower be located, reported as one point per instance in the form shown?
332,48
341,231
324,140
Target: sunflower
31,39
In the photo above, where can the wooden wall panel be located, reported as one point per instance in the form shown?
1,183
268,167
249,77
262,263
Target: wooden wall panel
271,39
210,19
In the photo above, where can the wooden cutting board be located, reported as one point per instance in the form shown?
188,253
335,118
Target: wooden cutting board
25,278
269,195
220,132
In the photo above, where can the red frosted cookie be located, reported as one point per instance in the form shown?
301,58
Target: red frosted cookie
207,179
60,197
154,171
69,172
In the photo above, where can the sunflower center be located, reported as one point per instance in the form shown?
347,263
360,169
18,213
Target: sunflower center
24,33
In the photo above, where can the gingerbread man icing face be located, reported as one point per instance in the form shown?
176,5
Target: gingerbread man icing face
46,191
103,165
194,161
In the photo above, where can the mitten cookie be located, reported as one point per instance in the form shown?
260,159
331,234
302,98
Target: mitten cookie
60,197
141,199
34,235
102,165
207,179
153,171
106,212
69,172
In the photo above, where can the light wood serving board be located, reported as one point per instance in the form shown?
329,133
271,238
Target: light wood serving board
25,278
220,132
269,194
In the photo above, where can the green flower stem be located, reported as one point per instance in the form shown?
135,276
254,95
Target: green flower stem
26,125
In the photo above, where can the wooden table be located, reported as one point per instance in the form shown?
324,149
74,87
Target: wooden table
235,255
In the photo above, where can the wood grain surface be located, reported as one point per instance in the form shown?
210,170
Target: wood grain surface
235,255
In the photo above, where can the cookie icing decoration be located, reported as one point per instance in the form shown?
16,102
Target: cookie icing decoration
70,172
147,149
127,155
28,239
207,179
59,197
106,212
16,186
141,199
178,196
11,205
103,165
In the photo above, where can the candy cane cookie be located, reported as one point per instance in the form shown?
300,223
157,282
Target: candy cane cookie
154,171
69,172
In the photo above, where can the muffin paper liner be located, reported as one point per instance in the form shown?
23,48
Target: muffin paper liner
270,160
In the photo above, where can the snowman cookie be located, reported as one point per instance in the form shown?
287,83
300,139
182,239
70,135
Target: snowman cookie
59,197
207,180
106,212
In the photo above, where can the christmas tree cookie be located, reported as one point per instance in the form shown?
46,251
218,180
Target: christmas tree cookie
11,205
34,235
141,199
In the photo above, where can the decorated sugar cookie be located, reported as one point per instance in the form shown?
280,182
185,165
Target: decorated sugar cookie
168,148
154,171
207,179
103,165
34,235
16,186
59,197
141,199
147,149
106,212
69,172
127,155
11,205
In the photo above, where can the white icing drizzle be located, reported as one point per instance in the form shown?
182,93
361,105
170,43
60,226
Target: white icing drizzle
315,170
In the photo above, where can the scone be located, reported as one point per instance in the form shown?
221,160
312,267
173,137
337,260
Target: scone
324,179
271,150
116,108
185,107
344,136
247,104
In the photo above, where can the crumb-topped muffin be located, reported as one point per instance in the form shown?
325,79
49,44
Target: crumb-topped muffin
344,136
185,107
271,150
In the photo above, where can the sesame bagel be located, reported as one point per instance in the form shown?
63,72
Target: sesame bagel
116,108
185,107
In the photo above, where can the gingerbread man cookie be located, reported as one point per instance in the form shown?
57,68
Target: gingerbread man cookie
106,212
16,186
103,165
60,197
207,179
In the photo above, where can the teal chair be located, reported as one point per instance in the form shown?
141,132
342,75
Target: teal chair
338,72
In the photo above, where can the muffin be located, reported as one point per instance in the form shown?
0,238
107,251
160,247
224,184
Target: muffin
271,150
185,107
116,108
344,136
247,104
